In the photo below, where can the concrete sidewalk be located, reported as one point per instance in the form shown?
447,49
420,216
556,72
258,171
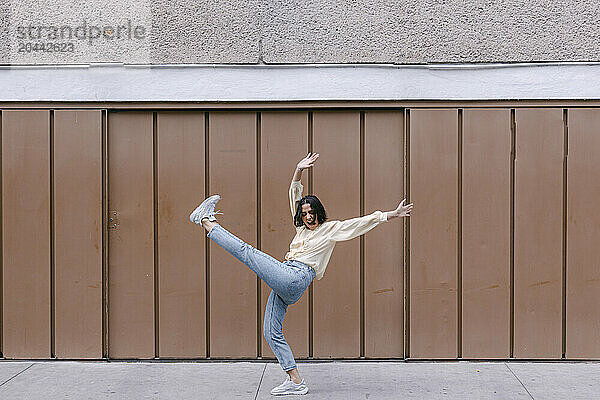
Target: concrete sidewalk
326,380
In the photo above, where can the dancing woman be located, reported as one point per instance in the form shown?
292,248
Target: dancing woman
309,254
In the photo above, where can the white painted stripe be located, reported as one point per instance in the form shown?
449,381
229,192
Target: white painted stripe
307,82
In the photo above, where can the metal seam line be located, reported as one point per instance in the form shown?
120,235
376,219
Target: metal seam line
258,233
459,271
52,239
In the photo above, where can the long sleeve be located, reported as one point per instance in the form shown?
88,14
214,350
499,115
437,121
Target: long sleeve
351,228
296,189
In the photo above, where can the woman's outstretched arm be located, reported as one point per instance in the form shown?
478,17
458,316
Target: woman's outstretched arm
351,228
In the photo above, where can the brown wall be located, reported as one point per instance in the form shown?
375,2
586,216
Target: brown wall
498,260
78,233
26,264
486,189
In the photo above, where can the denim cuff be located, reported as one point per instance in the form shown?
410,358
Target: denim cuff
289,368
212,230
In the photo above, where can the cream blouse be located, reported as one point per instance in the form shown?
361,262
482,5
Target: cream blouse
314,247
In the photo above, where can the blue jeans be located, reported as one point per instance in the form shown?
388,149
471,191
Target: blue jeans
288,281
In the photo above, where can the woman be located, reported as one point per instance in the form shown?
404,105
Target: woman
309,254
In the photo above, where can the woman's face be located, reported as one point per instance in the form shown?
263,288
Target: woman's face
308,217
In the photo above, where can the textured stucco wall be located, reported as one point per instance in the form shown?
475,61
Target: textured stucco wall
4,30
417,31
318,31
205,32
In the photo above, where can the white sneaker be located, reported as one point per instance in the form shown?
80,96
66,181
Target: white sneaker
205,210
289,387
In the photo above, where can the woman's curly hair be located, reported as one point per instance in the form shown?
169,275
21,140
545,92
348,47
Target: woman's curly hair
315,204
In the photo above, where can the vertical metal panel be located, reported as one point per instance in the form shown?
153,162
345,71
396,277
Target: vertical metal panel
337,184
284,141
131,243
486,233
384,264
78,233
232,158
433,233
538,233
181,252
583,228
26,233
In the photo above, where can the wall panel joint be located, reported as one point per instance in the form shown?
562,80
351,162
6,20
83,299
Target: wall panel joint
258,234
206,239
310,288
564,233
105,234
513,158
52,244
155,230
459,237
362,237
407,237
1,252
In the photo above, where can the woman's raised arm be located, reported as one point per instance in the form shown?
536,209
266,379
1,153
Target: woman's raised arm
296,187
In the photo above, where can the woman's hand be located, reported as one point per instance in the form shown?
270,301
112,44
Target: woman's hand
307,161
401,211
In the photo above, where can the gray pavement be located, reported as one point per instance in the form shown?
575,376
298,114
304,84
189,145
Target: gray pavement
326,380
